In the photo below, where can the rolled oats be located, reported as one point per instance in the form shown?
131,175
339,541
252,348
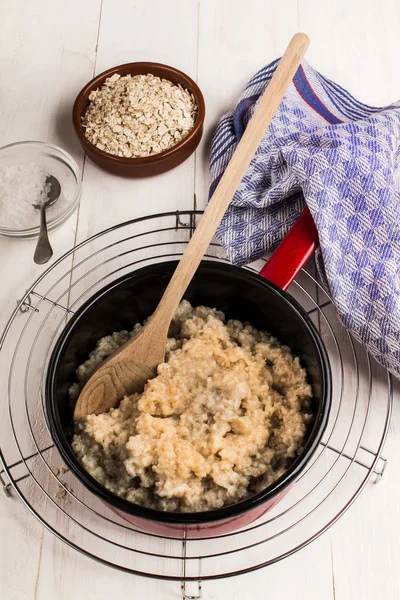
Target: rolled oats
137,116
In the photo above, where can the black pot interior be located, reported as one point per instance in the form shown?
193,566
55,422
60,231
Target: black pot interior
240,294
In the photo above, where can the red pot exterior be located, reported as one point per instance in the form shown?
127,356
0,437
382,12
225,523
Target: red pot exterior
200,530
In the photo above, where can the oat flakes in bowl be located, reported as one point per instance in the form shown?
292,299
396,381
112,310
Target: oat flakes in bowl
140,115
139,119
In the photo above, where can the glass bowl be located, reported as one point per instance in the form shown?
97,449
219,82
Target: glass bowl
54,161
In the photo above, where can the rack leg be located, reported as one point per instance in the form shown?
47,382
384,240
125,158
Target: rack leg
185,594
380,464
6,487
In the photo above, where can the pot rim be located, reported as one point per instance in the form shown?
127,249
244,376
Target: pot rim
194,518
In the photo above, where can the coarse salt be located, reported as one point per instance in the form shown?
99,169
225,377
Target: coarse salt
21,187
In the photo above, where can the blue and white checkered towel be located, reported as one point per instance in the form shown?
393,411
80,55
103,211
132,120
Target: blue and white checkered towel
341,157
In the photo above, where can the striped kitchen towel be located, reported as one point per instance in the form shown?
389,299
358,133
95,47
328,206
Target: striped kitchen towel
341,158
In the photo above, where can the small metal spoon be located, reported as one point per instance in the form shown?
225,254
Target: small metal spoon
44,251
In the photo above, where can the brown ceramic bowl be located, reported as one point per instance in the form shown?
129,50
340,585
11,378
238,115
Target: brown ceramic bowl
149,165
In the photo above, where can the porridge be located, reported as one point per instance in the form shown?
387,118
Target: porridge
225,416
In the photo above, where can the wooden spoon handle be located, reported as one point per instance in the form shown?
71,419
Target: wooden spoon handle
232,176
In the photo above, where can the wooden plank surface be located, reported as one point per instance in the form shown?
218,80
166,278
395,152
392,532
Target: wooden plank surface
353,44
46,54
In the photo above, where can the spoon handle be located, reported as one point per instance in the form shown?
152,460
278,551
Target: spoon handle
231,178
43,251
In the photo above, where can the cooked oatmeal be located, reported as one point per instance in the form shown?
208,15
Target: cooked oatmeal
225,416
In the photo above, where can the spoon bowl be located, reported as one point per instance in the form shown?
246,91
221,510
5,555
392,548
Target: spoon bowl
52,194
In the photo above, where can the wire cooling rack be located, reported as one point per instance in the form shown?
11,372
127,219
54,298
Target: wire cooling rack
348,457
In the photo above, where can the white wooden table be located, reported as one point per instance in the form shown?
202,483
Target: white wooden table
48,50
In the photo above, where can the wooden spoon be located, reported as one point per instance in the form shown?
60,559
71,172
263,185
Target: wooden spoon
129,368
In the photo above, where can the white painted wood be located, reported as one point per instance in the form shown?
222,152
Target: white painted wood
21,538
47,52
45,55
354,44
234,43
